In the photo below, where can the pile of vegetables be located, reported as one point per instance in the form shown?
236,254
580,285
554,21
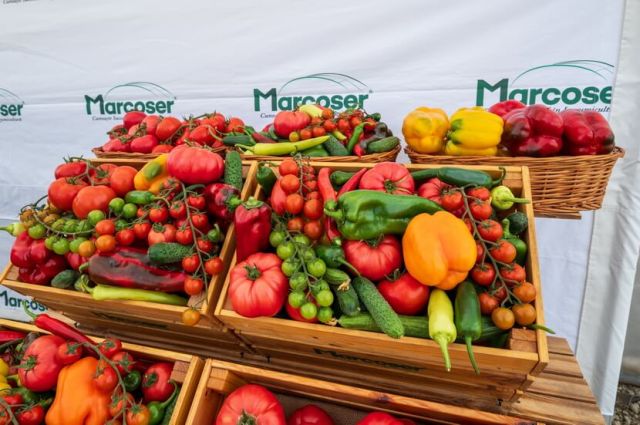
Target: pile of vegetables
122,234
142,133
64,378
508,128
434,253
316,131
255,404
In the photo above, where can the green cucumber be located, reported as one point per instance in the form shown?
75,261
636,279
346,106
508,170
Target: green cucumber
168,252
336,277
65,279
339,178
380,310
315,151
423,175
168,413
383,145
348,301
335,148
233,169
241,139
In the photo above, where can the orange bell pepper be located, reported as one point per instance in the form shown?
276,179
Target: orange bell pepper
438,249
78,400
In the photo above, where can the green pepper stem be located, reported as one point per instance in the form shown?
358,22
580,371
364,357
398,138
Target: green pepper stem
349,266
503,173
472,358
536,326
441,340
31,314
338,215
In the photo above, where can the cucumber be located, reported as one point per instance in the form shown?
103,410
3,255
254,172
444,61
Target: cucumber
383,145
339,178
168,252
233,169
65,279
335,148
422,175
380,310
168,413
348,301
241,139
316,151
336,277
518,222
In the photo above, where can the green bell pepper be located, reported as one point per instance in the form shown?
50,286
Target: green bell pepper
519,244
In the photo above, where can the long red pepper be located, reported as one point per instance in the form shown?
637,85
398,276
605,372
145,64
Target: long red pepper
252,220
353,182
7,336
328,193
56,327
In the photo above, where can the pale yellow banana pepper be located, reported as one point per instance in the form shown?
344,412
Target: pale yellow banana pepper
474,131
152,175
425,129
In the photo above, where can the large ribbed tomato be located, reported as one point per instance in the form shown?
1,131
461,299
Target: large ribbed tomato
91,198
389,177
310,415
251,404
286,122
380,418
194,165
374,259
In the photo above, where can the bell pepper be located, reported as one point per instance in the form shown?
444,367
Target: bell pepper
78,400
441,327
533,131
502,198
468,318
586,133
152,176
252,220
131,268
425,129
474,131
502,108
36,263
368,214
518,244
438,249
222,200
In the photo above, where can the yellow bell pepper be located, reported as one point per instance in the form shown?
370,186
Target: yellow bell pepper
425,129
152,175
438,249
454,149
4,368
475,128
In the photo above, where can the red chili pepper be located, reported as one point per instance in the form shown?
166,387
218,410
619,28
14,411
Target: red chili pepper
357,149
352,183
253,225
328,193
278,198
58,328
8,336
75,260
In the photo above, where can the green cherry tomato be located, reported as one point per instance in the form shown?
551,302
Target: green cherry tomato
129,211
317,267
302,239
298,282
320,285
37,231
61,246
308,311
325,314
324,298
290,266
285,250
58,225
276,238
75,244
95,216
296,299
48,243
83,226
121,224
70,226
116,205
307,253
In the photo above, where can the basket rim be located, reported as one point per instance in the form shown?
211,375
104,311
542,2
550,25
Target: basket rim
617,152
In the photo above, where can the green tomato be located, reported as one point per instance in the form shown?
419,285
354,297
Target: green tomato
95,216
317,268
61,246
298,281
302,239
121,224
325,314
285,250
129,211
83,226
308,310
48,243
290,266
116,205
37,231
75,244
307,253
320,285
276,238
296,299
324,298
58,225
70,226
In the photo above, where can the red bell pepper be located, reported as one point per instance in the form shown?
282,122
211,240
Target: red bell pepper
533,131
278,198
36,263
253,225
586,133
222,199
502,108
39,368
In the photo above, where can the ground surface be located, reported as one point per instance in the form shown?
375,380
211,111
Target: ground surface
627,405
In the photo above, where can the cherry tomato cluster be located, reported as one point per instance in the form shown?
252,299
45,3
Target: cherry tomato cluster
345,122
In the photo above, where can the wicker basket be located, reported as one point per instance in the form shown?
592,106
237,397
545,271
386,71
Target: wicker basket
98,152
374,157
561,186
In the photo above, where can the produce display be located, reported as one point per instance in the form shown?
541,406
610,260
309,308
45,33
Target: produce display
118,233
316,131
64,378
145,134
508,128
434,253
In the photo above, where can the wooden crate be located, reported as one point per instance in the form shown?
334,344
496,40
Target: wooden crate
187,369
146,321
346,404
410,366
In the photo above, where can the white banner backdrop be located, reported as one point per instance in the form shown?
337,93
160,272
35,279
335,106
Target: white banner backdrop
69,69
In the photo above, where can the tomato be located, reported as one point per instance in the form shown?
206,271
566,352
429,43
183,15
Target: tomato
309,415
343,126
374,260
110,346
234,125
161,233
433,189
294,203
305,134
115,407
500,293
156,382
503,318
490,230
329,126
70,169
33,415
480,251
388,177
480,210
514,273
121,180
106,378
190,317
193,285
125,237
525,292
86,249
167,128
405,294
504,252
313,209
200,221
379,418
310,186
150,124
63,191
158,214
318,131
138,414
204,245
253,403
290,183
481,193
203,135
124,362
105,243
525,314
216,121
191,263
295,224
178,210
294,136
162,149
69,352
313,229
487,303
105,227
194,165
102,173
287,121
196,201
142,230
314,195
91,198
355,121
452,200
483,274
288,166
132,118
184,235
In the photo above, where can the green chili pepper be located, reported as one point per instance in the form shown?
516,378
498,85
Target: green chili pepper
266,178
107,292
139,197
458,176
285,148
355,136
468,318
14,228
168,413
333,256
28,396
441,327
519,244
132,380
157,410
368,214
502,198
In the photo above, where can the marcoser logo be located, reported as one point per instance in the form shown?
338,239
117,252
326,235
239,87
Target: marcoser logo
139,96
331,90
10,106
582,84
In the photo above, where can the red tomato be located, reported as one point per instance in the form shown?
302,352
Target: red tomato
318,131
203,135
162,149
102,173
156,382
126,237
405,294
167,128
204,245
254,401
490,230
106,377
374,261
161,233
379,418
313,229
234,125
482,193
305,134
487,303
150,123
193,165
500,294
178,210
158,214
290,183
288,166
257,286
433,190
132,118
215,121
504,252
196,201
452,200
191,263
483,274
119,144
121,180
388,177
105,243
69,352
110,346
70,169
479,250
115,407
480,210
295,224
200,221
294,203
310,186
313,195
286,122
514,273
309,415
144,144
329,126
343,125
91,198
63,191
184,235
142,230
313,209
213,266
124,362
105,227
33,415
193,286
